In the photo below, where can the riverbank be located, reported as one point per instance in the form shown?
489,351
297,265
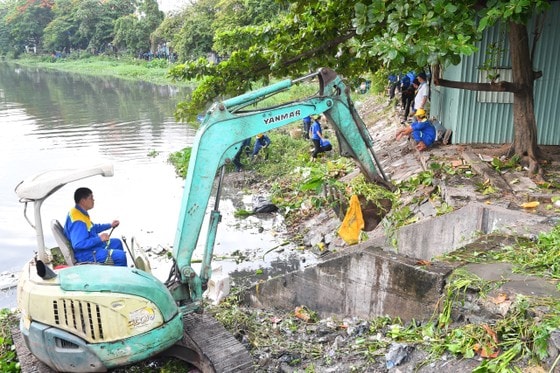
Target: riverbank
300,340
499,312
154,71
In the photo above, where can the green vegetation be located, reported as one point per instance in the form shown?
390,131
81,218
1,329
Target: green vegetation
536,257
515,338
155,71
501,165
64,26
8,358
229,46
297,185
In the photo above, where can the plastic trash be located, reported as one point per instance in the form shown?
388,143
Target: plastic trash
218,286
353,222
261,204
397,354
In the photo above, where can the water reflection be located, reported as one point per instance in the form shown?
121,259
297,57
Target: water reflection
118,116
50,119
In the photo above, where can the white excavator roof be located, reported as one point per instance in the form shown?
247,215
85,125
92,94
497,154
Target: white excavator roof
42,185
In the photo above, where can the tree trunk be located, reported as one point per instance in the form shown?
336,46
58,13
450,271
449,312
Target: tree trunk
524,122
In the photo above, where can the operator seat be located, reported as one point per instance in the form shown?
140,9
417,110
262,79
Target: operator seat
63,242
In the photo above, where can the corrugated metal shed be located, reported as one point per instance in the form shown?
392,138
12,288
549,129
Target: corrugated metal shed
477,117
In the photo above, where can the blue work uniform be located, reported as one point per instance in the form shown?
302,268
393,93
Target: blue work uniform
315,131
260,143
325,145
423,131
243,148
88,246
306,125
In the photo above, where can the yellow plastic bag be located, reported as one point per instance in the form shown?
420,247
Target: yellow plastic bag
353,222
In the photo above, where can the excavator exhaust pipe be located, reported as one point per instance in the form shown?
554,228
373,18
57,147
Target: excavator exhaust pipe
44,271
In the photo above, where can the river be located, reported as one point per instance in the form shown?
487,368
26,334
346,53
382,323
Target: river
53,120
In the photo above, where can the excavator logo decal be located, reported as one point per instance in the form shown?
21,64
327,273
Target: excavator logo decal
141,317
281,117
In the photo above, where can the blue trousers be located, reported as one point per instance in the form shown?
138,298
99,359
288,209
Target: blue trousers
100,254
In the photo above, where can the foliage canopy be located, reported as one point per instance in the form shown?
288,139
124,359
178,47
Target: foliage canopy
352,37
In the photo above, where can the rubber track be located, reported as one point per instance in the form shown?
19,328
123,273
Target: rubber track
219,348
28,362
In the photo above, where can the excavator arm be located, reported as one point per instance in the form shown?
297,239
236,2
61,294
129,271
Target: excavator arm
222,131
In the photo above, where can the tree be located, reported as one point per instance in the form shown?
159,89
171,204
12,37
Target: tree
236,14
128,35
5,39
517,14
195,38
292,42
168,28
27,20
61,32
356,36
78,24
150,19
96,20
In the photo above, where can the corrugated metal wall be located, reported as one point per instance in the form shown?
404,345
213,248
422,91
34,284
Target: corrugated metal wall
473,121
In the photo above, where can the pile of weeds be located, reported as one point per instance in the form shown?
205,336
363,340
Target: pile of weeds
537,256
520,337
300,339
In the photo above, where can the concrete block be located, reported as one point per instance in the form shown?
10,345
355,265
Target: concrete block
365,282
443,234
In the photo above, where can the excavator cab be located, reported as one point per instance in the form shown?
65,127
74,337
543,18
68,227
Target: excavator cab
80,317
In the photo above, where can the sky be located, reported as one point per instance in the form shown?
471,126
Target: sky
169,5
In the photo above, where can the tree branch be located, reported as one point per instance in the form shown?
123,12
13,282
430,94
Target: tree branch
309,53
501,86
330,44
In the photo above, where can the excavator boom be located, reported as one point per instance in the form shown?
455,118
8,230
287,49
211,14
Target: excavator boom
92,317
218,139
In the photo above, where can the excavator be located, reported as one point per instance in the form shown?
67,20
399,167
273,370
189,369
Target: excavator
94,318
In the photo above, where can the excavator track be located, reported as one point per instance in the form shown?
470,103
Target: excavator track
206,344
28,363
210,347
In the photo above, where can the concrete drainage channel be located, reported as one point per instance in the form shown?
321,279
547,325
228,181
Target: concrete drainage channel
373,279
364,282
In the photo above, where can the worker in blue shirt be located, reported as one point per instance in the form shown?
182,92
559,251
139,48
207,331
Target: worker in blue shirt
244,148
320,143
306,126
262,142
422,131
88,241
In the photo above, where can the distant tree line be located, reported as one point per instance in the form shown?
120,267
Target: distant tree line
131,27
253,41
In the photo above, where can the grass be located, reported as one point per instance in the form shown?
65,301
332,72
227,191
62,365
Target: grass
154,71
8,358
